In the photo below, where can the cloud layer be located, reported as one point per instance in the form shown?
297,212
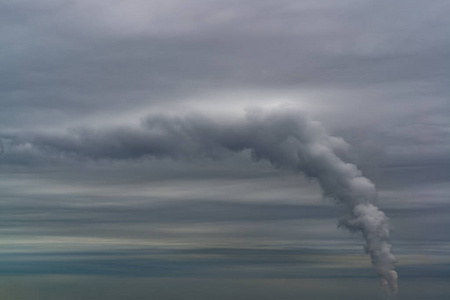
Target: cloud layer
93,91
283,137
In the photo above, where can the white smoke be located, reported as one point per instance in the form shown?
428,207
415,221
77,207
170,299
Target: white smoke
285,138
390,288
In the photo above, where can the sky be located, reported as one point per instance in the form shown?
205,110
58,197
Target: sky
147,147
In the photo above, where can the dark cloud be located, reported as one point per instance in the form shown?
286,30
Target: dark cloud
90,93
283,137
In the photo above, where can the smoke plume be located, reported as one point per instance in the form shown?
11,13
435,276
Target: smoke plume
285,138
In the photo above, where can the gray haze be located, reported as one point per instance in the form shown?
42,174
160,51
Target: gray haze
115,162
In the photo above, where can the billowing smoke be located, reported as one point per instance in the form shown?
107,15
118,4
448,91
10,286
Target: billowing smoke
285,138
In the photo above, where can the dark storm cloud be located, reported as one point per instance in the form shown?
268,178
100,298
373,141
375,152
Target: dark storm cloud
177,137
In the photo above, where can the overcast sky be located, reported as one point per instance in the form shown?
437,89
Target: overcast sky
88,88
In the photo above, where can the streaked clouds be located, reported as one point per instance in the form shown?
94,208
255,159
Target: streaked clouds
374,72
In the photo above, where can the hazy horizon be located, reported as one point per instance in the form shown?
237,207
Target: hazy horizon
210,149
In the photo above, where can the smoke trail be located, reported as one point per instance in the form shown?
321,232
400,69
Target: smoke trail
286,139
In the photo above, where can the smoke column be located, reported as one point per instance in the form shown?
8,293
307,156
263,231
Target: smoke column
285,138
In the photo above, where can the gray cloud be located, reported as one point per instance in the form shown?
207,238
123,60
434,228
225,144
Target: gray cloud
284,138
64,62
79,79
